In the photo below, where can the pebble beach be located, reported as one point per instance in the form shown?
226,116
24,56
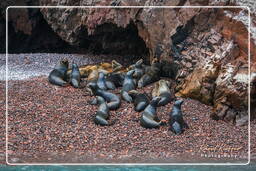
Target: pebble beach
50,124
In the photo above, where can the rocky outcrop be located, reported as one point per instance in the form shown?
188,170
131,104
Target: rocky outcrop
220,74
206,50
155,26
27,30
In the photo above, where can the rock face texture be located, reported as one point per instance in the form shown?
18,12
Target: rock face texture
206,50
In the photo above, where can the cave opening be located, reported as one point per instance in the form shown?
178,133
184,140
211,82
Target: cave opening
107,39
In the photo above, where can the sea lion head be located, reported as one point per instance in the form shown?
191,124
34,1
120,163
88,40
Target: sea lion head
64,62
178,102
138,64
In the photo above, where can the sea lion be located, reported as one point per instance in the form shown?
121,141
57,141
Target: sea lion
115,79
140,100
103,112
151,74
93,77
113,101
101,82
177,124
58,76
128,85
149,118
162,90
138,69
84,71
75,77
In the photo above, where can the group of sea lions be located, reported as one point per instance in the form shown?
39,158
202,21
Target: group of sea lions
108,76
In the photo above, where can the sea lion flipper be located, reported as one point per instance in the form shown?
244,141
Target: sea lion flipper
75,83
126,96
176,128
100,120
149,122
57,81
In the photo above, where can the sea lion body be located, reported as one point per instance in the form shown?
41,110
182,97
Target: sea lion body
113,101
138,69
58,76
101,82
75,77
93,77
140,100
128,85
115,79
103,112
177,123
152,74
149,118
162,90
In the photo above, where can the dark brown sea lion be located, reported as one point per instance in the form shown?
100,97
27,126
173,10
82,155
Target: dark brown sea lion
138,69
140,100
151,75
58,76
113,101
128,85
103,112
101,82
75,77
162,90
149,117
177,123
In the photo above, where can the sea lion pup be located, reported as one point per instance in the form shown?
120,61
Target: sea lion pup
162,90
151,74
128,85
140,100
149,118
75,77
113,101
58,76
177,124
103,112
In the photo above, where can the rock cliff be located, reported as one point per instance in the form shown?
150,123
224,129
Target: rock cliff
207,47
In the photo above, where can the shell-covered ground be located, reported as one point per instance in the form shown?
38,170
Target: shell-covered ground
48,124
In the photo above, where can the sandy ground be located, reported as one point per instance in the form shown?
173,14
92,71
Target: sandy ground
54,124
